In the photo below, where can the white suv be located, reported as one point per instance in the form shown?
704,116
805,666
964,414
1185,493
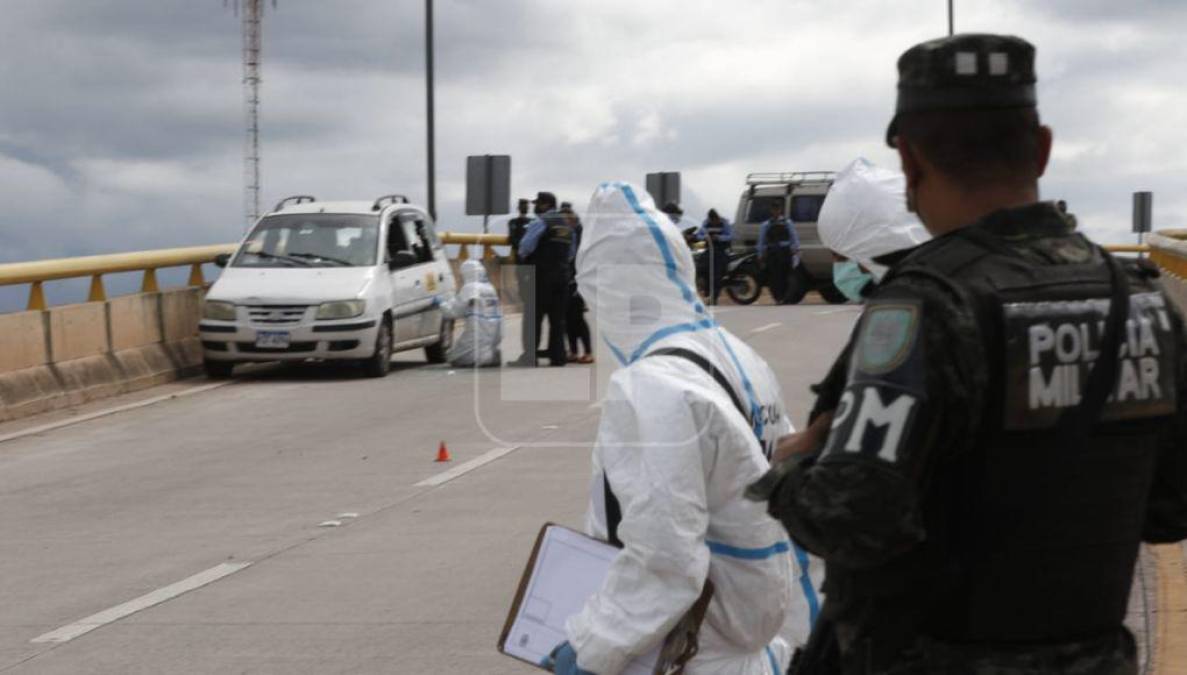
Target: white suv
330,280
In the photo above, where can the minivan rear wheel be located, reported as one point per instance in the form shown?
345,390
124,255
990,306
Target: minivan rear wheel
438,352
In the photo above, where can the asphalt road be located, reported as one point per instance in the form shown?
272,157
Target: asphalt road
294,521
413,579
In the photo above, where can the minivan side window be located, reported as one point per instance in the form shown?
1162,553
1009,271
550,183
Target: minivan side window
395,238
413,226
759,209
806,208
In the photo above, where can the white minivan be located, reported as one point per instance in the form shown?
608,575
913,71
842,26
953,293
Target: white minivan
351,281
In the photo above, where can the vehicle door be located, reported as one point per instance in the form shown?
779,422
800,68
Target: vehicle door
434,269
442,272
409,298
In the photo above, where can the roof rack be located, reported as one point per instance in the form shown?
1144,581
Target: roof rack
782,178
296,199
388,199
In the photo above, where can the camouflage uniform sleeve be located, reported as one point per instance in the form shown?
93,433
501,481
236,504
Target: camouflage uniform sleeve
913,396
1166,511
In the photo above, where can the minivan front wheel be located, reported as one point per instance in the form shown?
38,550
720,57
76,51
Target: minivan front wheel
380,363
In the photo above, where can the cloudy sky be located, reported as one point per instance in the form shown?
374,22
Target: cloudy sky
121,121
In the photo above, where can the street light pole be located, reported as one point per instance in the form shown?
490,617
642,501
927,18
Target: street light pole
431,149
950,22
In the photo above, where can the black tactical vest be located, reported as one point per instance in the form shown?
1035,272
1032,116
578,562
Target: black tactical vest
1043,519
778,232
552,253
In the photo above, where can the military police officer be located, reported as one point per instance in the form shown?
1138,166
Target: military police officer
1014,422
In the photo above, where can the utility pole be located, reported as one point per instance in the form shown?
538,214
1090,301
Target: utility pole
252,12
431,145
951,24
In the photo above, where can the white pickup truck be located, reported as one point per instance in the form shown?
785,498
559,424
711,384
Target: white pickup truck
352,281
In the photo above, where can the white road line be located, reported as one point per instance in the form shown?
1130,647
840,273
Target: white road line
70,421
467,467
763,329
84,626
838,311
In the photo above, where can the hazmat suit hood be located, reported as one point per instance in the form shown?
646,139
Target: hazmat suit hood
634,268
473,272
865,215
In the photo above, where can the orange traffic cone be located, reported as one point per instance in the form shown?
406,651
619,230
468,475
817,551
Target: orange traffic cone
443,453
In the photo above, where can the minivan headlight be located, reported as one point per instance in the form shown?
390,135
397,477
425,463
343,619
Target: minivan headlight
218,311
341,309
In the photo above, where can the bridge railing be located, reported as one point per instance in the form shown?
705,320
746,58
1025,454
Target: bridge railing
1168,249
148,262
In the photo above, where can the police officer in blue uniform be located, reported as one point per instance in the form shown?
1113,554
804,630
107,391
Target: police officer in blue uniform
778,251
550,245
1014,421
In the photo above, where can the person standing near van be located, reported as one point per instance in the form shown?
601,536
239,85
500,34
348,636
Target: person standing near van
778,251
550,245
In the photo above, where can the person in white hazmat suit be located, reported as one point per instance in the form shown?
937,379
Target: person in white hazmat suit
676,448
477,305
865,219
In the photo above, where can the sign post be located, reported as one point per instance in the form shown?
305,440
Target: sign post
1143,212
664,187
488,187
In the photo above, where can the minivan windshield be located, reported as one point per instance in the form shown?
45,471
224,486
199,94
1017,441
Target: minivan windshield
311,240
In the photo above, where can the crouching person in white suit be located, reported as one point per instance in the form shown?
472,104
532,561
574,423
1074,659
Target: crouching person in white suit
477,305
688,421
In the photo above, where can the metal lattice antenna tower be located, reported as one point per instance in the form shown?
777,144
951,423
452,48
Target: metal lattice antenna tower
252,13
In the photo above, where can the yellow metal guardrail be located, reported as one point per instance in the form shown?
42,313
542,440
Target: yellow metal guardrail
95,266
1172,257
36,273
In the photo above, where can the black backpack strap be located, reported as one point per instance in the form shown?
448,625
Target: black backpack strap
713,371
613,512
1077,422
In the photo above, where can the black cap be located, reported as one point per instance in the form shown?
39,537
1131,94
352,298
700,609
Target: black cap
965,72
545,198
525,201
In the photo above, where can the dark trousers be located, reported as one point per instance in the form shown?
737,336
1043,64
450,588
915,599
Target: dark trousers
716,264
525,277
576,325
552,302
778,272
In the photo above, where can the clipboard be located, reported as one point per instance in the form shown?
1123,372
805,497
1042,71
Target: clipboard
564,569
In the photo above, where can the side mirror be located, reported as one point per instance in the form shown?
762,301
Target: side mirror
222,259
402,259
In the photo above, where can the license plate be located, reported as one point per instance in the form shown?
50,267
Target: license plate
272,339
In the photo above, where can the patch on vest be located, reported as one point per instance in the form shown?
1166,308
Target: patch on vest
1052,346
887,336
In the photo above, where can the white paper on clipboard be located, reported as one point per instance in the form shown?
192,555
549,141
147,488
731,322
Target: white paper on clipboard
570,567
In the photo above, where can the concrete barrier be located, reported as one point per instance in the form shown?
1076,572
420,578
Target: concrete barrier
72,354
